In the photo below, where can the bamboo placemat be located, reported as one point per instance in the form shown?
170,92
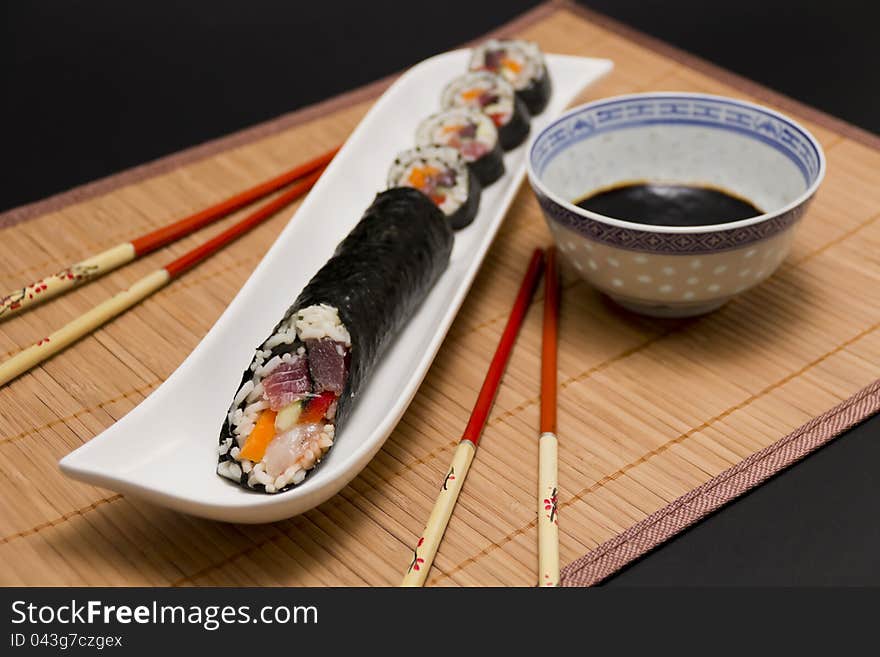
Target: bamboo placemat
660,421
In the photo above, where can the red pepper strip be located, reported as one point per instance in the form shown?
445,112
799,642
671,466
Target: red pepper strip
315,408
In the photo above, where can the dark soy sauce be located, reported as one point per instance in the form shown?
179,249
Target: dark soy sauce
659,204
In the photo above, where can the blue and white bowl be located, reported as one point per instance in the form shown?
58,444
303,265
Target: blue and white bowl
670,271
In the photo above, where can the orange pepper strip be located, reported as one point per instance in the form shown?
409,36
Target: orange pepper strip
452,128
261,435
419,175
470,94
512,64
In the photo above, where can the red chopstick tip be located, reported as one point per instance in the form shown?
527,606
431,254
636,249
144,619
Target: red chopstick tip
486,397
549,342
199,253
174,231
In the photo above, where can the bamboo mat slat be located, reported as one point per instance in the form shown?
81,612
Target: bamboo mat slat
649,410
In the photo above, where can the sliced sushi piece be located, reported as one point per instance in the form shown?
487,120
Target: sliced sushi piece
299,389
521,63
471,133
441,174
493,96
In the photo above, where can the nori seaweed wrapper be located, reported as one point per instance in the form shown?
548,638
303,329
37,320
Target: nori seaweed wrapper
377,277
467,211
514,132
379,274
490,167
537,93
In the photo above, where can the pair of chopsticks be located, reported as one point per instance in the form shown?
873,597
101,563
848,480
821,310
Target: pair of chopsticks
548,529
303,176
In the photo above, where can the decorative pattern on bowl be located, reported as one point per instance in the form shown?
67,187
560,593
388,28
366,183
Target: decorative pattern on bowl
675,137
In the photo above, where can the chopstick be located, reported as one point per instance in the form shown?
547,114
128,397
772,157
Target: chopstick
426,548
115,305
125,252
548,487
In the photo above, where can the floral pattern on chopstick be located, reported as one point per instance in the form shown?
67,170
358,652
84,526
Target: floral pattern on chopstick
417,561
76,273
551,505
449,477
12,301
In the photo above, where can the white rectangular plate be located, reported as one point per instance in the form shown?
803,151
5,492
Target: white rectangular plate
165,450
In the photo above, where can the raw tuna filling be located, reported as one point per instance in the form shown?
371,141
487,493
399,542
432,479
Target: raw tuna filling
439,172
507,64
291,409
289,382
327,364
487,101
483,91
518,62
463,139
468,131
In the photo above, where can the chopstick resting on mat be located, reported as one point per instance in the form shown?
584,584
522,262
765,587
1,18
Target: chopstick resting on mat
115,305
116,256
548,487
426,548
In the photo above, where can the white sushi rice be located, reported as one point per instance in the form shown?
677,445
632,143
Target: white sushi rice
313,322
230,470
287,335
436,128
265,370
453,94
243,430
526,54
252,409
259,358
243,392
439,157
235,415
321,321
256,393
259,476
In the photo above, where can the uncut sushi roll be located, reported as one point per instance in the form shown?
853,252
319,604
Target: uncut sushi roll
493,96
441,174
471,133
299,389
521,63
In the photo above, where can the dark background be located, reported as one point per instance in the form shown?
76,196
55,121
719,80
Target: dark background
93,87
